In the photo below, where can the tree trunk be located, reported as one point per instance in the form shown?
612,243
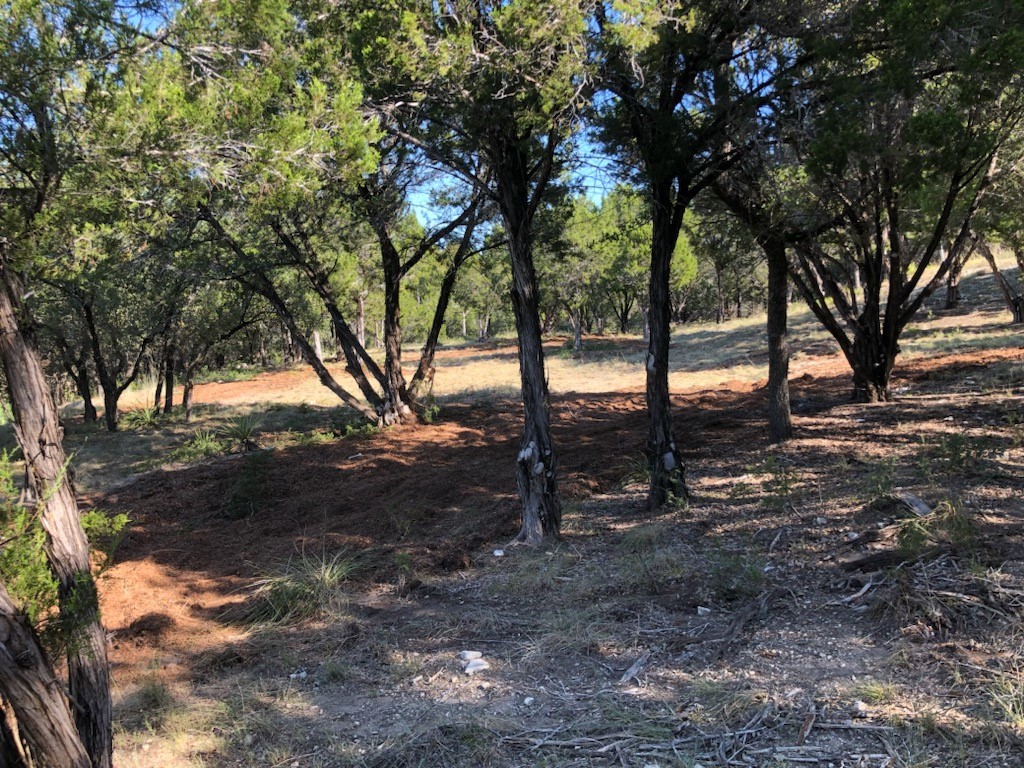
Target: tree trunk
576,318
395,406
33,694
169,381
158,394
83,384
667,473
872,367
110,398
361,320
465,330
423,380
186,394
1014,299
39,434
780,422
535,464
956,270
318,346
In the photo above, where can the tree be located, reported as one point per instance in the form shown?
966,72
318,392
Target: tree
685,80
54,61
903,142
491,92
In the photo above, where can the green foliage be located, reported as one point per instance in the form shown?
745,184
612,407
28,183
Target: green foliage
778,489
202,445
24,567
248,490
241,431
140,418
949,524
733,576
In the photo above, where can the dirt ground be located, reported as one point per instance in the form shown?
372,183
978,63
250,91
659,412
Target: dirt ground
793,612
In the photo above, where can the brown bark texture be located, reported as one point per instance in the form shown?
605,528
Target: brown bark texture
39,434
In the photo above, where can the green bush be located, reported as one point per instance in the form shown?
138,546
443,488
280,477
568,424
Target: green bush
24,568
201,445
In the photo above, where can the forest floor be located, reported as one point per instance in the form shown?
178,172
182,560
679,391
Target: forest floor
306,604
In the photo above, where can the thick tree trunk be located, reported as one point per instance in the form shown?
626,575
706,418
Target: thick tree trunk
32,692
667,473
872,368
39,435
780,422
110,398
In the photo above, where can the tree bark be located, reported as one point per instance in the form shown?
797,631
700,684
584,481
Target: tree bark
667,473
535,464
30,689
780,421
83,384
423,380
186,394
39,435
169,381
394,408
158,394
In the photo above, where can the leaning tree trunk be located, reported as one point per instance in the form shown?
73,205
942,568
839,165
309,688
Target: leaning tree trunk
1014,299
667,473
39,435
33,694
780,420
423,380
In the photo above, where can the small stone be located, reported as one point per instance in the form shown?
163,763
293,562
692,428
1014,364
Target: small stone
499,553
298,675
703,611
852,536
248,740
470,655
860,709
528,701
476,665
820,521
484,686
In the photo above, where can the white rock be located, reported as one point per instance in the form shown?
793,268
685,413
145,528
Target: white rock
702,611
476,665
820,521
499,553
298,675
860,709
528,701
470,655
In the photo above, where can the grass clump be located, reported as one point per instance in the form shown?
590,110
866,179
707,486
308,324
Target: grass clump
308,587
875,692
948,525
779,488
202,445
733,576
